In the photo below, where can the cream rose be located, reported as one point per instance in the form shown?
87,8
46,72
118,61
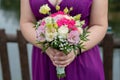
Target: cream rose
63,31
50,34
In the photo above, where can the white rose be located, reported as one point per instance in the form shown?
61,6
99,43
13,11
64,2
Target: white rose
48,20
50,35
63,31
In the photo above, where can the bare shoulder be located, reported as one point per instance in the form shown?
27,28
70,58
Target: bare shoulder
99,12
25,11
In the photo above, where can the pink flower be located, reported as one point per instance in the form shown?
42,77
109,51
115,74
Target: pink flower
69,22
40,33
62,21
71,25
57,13
73,37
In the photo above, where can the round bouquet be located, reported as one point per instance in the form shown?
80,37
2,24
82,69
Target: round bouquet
60,31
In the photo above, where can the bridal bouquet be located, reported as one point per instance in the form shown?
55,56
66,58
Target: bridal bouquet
60,31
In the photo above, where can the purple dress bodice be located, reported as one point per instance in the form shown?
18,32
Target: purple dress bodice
79,7
87,66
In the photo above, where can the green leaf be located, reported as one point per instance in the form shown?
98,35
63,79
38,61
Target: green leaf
60,76
45,47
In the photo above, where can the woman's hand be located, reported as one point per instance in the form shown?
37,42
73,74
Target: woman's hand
62,60
51,53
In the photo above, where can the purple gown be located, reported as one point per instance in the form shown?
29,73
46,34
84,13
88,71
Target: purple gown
87,66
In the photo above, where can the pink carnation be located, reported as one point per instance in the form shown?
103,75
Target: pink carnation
73,37
70,23
62,21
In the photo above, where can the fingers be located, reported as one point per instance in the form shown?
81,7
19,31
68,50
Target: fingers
62,56
63,66
51,57
58,58
50,52
63,61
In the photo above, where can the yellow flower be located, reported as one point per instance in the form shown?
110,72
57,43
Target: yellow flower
49,25
57,7
66,10
77,17
44,9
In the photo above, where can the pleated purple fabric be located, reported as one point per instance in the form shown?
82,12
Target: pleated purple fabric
87,66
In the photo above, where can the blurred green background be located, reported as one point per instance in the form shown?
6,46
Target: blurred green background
114,12
11,5
114,16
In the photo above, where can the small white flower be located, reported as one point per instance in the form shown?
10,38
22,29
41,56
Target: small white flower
61,45
61,48
65,48
63,31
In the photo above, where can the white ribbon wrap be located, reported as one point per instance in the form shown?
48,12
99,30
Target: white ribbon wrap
60,70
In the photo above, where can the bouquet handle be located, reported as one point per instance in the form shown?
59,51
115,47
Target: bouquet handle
60,72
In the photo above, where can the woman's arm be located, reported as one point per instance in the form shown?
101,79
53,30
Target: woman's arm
98,23
26,23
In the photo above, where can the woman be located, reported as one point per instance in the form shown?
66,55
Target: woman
88,65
